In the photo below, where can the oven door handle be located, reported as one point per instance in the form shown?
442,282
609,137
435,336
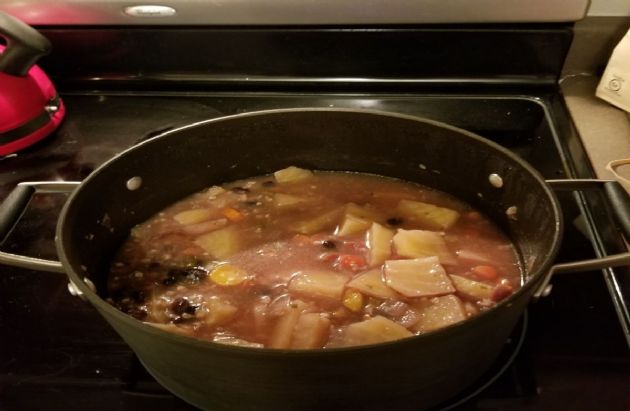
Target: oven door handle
12,209
620,202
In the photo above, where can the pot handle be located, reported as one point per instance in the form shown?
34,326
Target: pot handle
620,201
12,209
24,46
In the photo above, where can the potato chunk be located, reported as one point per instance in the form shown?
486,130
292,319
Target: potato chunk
220,243
318,223
216,311
418,278
282,334
373,331
422,243
194,216
365,212
292,174
310,331
352,224
281,200
371,283
318,284
429,215
379,241
472,288
438,312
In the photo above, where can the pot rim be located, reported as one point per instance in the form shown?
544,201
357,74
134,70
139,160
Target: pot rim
532,279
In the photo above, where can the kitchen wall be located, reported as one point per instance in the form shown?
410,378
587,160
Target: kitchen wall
596,36
609,8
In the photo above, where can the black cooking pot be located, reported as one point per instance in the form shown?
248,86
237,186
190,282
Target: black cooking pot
412,373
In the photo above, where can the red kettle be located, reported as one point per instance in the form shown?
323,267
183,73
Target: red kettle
30,108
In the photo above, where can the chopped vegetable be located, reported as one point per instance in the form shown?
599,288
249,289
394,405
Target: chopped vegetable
292,174
438,312
472,288
486,272
352,300
228,275
352,224
310,331
282,333
231,340
365,212
216,311
287,200
193,216
371,283
318,284
351,262
318,223
233,214
417,278
379,241
204,227
375,330
429,215
422,243
502,291
221,243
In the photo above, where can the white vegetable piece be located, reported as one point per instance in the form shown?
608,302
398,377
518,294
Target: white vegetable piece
379,240
310,331
194,216
422,243
375,330
292,174
318,284
352,224
438,312
472,288
281,200
429,215
318,223
220,243
371,283
418,277
282,334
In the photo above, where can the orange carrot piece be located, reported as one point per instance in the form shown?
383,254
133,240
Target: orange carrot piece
352,262
233,214
487,272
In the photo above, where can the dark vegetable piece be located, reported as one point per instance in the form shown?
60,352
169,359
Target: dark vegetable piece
394,221
182,306
329,245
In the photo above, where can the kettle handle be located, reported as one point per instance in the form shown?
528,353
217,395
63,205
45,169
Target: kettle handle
24,46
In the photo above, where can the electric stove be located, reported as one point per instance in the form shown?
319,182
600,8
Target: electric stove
122,85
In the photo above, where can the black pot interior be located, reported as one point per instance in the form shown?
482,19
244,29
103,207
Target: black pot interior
101,213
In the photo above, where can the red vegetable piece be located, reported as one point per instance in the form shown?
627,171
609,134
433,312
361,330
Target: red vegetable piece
351,262
501,292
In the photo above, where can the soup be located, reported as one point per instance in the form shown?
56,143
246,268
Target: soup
304,260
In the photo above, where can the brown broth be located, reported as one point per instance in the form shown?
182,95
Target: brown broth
262,262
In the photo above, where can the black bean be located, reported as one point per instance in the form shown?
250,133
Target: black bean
178,320
329,245
181,306
395,221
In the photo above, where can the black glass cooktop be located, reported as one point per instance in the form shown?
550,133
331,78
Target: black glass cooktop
568,353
